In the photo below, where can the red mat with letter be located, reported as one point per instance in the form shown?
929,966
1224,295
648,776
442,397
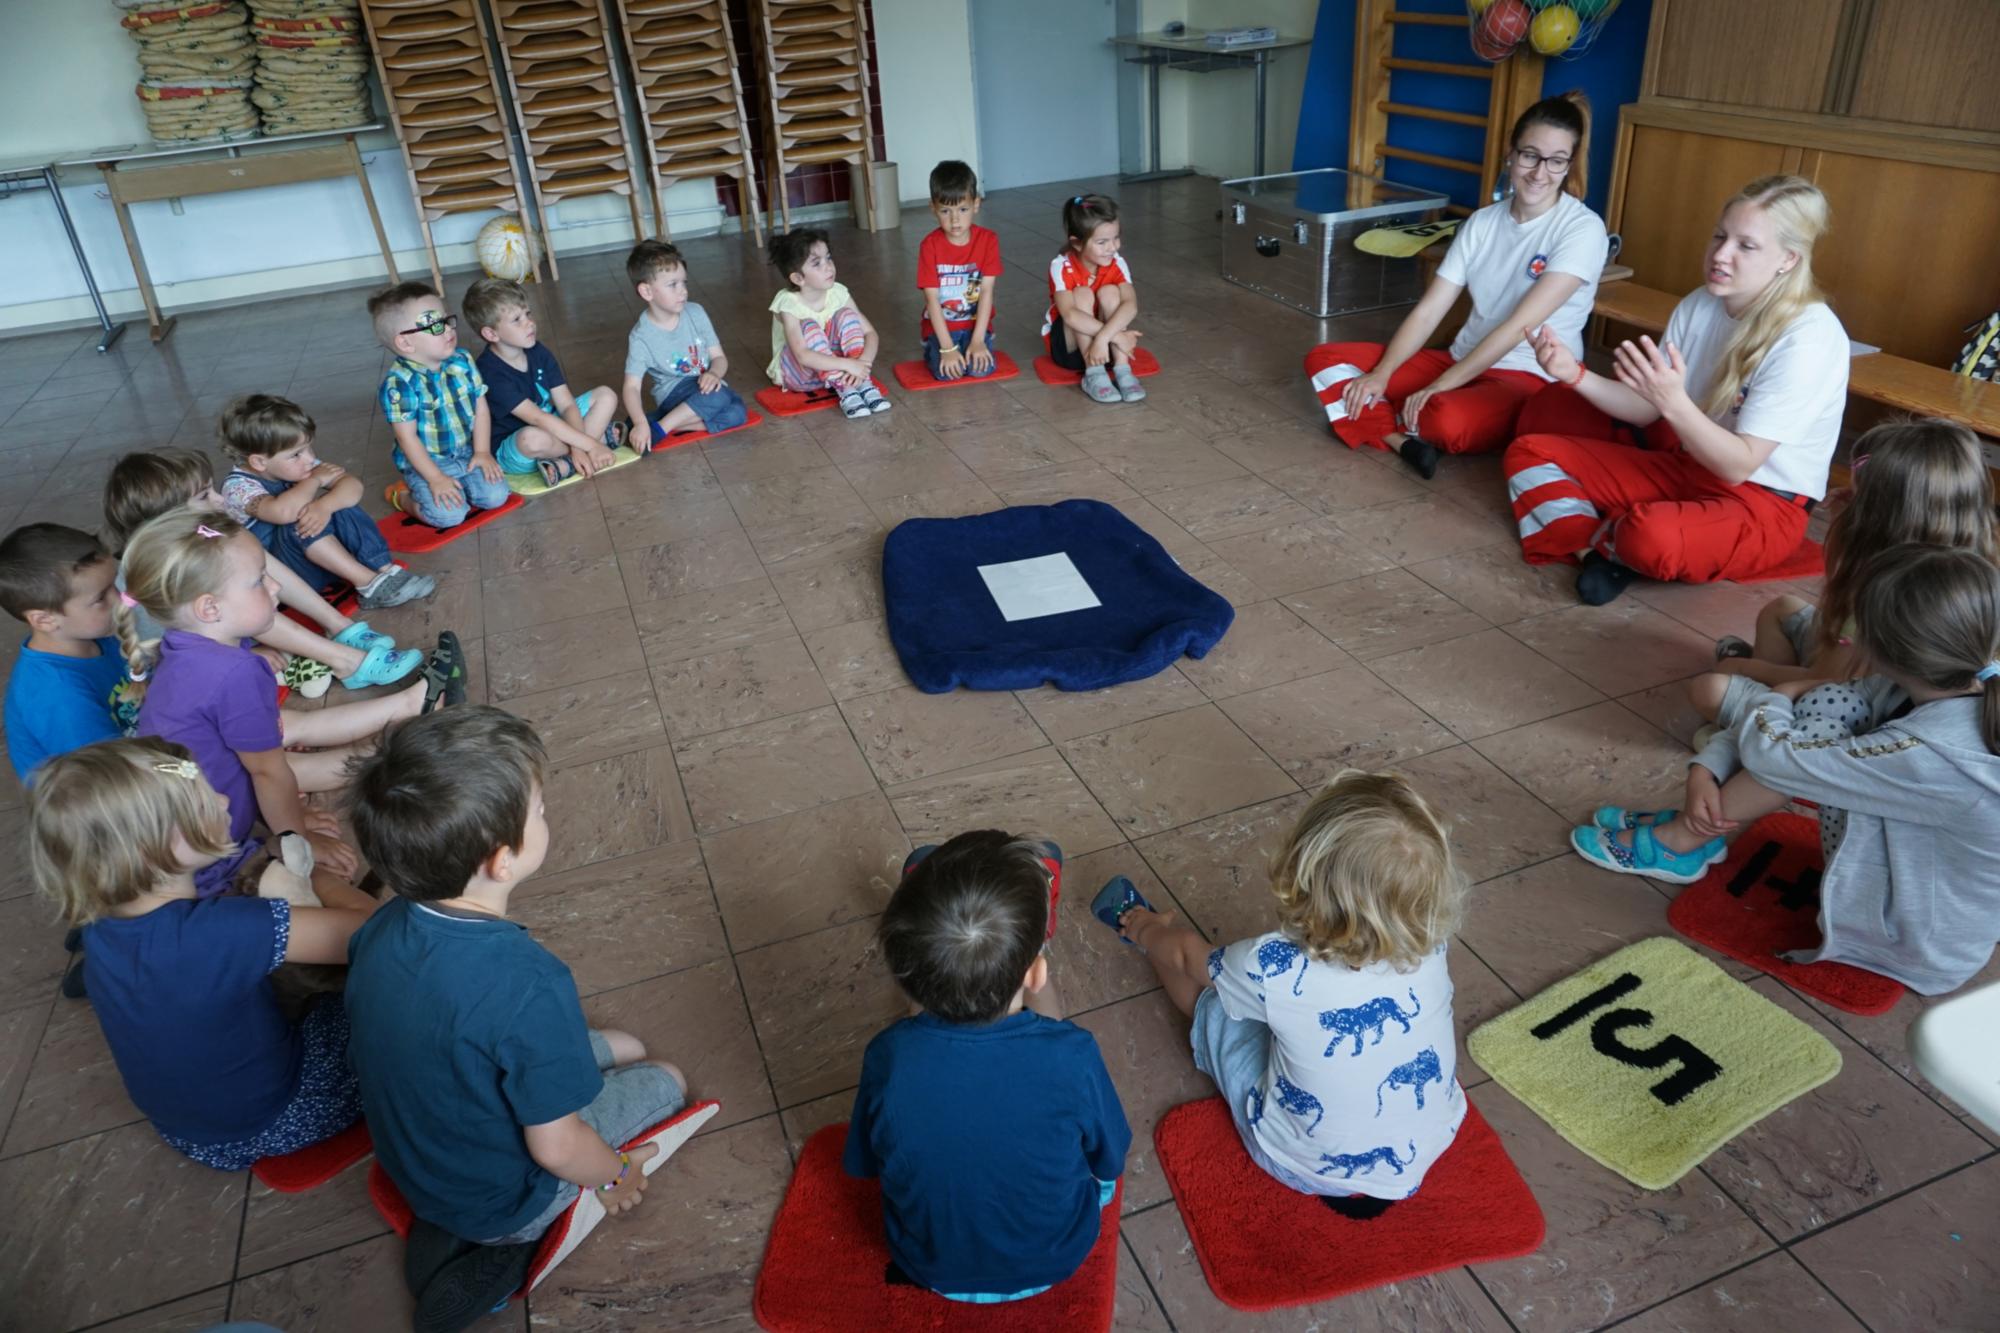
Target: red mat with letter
916,376
681,437
408,534
1048,372
823,1270
317,1163
1763,900
1263,1245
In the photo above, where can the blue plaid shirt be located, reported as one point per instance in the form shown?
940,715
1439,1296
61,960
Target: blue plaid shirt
443,402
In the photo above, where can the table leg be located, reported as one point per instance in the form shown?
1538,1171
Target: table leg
111,330
1262,62
1156,172
157,327
368,197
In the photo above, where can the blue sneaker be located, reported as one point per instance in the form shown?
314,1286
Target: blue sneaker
358,635
1646,856
1617,819
1113,901
384,666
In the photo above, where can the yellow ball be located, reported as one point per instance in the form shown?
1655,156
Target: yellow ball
507,249
1478,7
1554,29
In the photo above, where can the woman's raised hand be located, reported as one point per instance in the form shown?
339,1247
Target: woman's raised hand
1660,377
1552,355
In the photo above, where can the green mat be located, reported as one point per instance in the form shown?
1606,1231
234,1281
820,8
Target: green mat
531,484
1651,1059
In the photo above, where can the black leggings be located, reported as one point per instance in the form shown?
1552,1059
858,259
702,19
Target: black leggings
1060,352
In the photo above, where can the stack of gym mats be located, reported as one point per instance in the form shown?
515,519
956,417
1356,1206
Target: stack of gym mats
196,68
312,65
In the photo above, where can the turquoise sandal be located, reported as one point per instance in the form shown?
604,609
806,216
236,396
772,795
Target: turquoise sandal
1646,856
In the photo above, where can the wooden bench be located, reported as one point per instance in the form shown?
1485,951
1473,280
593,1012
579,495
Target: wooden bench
1879,377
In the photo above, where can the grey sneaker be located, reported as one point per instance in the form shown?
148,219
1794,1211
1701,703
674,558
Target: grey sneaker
1128,384
396,588
1097,383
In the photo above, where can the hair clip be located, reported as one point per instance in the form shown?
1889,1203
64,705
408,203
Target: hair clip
203,530
180,768
1076,199
1988,672
125,600
1855,466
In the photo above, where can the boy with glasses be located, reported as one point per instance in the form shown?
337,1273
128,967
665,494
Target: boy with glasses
434,400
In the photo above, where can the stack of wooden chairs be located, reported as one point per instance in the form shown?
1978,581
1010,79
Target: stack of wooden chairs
690,99
446,105
815,59
559,67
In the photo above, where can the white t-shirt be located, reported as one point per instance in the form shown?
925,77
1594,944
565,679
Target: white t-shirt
1795,396
1497,260
1363,1082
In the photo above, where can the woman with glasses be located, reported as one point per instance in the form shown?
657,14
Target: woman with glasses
1702,456
1532,259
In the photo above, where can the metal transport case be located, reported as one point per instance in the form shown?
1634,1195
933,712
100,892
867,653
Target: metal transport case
1291,237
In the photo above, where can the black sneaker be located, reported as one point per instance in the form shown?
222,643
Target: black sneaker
1421,454
1602,579
1357,1207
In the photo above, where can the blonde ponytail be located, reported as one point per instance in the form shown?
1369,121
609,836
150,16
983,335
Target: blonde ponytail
170,561
1800,215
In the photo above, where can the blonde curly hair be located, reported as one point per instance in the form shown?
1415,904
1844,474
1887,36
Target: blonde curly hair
1367,875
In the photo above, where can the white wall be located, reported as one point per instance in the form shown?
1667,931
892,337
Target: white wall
66,77
923,49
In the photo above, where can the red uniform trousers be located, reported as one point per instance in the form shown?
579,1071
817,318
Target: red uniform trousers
1580,480
1475,418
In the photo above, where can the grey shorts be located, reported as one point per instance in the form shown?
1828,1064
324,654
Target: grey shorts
633,1098
1801,630
1236,1052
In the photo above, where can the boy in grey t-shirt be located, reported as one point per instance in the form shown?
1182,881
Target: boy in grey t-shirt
674,343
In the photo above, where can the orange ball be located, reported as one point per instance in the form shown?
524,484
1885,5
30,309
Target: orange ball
1500,29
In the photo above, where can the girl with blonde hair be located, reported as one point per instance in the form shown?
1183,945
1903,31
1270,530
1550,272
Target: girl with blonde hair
1330,1037
1740,404
203,577
117,833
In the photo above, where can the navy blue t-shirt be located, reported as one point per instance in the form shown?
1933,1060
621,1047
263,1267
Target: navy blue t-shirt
463,1030
506,387
182,996
988,1141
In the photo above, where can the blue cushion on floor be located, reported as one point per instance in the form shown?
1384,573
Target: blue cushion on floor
949,630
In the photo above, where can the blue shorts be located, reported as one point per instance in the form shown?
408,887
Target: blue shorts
1236,1053
515,463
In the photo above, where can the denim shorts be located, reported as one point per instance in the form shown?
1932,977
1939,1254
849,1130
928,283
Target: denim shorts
515,463
1236,1052
633,1098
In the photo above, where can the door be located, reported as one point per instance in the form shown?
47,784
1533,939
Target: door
1046,88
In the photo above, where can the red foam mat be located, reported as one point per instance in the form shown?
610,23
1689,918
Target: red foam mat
314,1165
681,437
1807,559
410,535
916,376
1048,372
1263,1245
823,1270
1762,901
787,403
556,1242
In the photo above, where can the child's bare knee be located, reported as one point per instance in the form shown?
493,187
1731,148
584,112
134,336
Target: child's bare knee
1775,612
537,443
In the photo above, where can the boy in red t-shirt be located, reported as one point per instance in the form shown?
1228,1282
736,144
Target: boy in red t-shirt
956,268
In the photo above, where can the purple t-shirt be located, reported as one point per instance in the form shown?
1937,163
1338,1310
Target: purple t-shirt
217,700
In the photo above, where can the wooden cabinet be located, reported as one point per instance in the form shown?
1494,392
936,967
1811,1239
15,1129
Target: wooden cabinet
1762,53
1930,62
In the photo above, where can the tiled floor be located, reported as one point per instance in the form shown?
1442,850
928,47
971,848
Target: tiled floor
741,767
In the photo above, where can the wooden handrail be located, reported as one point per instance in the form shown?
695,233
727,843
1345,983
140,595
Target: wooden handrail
1432,20
1431,159
1432,113
1439,67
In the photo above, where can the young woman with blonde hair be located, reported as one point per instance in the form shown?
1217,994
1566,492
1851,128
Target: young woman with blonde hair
1740,404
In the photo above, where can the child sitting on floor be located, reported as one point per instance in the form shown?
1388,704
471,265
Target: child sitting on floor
305,512
69,686
201,576
674,343
143,486
1921,481
820,341
538,424
497,1109
117,833
1331,1037
1092,303
435,402
1909,809
996,1133
957,265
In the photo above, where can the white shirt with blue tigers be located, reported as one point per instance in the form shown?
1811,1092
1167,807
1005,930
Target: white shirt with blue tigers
1362,1087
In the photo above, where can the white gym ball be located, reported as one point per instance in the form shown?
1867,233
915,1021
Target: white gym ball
507,249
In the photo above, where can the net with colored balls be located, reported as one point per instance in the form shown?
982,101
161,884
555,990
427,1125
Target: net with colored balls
507,249
1556,28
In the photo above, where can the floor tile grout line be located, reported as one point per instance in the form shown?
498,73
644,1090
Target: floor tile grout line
27,1075
223,1287
1887,1199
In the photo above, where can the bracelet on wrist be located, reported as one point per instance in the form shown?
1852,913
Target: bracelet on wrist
624,1166
1581,371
